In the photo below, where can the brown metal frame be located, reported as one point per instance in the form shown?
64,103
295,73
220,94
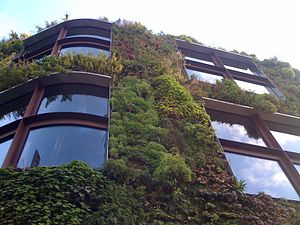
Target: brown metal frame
61,40
33,120
191,50
274,151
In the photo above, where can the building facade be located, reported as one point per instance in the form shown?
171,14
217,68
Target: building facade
49,120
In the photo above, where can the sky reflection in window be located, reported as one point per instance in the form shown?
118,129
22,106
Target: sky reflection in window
75,98
297,167
56,145
261,175
4,146
200,60
11,116
288,142
248,71
258,89
205,77
235,132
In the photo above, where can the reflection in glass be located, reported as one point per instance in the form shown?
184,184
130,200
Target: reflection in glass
85,50
258,89
12,116
14,110
237,132
288,142
248,71
89,36
55,145
4,146
205,77
75,98
261,175
200,60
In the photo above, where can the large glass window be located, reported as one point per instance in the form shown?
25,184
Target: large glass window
288,142
85,50
202,76
14,110
261,175
55,145
75,98
235,128
4,146
258,89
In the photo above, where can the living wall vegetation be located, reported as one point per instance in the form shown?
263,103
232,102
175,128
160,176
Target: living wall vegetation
165,165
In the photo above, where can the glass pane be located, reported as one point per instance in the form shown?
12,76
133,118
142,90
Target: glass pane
205,77
55,145
248,71
85,50
288,142
89,35
235,128
261,175
75,98
200,60
14,110
4,146
258,89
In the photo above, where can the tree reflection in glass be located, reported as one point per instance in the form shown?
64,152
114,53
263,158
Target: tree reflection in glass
202,76
75,98
235,128
56,145
261,175
91,51
13,110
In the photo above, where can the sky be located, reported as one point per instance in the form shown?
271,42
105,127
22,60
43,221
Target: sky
266,28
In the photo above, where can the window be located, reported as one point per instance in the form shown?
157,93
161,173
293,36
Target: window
55,145
261,175
235,128
288,142
14,110
75,98
202,76
85,50
88,36
258,89
4,147
199,60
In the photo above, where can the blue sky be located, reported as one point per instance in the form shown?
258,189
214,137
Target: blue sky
266,28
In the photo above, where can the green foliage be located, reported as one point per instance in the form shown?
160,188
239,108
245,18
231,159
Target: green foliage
176,102
165,165
21,72
172,169
67,194
241,185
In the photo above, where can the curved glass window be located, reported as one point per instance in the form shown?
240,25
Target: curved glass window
85,50
14,110
89,36
202,76
4,146
75,98
56,145
261,175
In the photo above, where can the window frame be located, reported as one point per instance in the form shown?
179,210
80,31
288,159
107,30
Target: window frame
21,128
273,151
